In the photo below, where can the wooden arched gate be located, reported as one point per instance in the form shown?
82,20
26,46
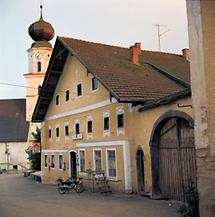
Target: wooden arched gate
174,159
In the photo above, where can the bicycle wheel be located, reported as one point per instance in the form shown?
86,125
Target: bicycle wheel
79,188
61,190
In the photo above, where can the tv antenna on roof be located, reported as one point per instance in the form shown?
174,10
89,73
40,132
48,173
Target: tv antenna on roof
160,34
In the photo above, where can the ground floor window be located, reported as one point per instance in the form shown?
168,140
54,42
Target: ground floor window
111,163
82,160
46,160
60,162
52,161
98,161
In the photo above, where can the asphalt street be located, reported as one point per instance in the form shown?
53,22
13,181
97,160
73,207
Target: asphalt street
23,197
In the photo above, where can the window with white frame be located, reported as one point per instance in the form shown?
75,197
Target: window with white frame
60,161
52,161
98,161
94,83
46,160
82,160
111,163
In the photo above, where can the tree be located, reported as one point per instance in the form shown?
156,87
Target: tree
35,158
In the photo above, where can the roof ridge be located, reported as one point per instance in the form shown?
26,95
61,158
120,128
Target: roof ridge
99,43
116,46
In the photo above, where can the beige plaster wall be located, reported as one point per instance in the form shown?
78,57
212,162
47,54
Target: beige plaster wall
17,155
201,19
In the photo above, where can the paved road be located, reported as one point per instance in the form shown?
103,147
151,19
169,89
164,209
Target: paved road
22,197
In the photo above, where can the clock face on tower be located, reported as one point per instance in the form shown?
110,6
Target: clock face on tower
38,56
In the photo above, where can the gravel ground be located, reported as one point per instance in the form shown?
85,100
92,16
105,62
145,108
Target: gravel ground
23,197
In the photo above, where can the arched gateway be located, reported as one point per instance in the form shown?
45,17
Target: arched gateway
173,155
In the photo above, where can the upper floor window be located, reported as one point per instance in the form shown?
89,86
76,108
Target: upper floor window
57,132
106,123
67,95
120,118
66,130
94,83
79,90
77,128
39,66
57,100
50,133
89,126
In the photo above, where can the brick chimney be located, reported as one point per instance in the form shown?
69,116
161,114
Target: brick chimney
186,54
135,52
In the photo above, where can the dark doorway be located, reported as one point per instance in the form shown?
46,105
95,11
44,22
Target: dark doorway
140,171
73,168
173,158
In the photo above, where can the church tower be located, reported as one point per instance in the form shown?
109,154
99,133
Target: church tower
38,59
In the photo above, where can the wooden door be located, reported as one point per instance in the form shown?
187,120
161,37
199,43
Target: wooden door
140,171
177,165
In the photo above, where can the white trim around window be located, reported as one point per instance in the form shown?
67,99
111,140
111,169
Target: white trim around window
115,178
83,173
94,162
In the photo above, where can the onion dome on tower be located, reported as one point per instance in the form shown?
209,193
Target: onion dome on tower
41,32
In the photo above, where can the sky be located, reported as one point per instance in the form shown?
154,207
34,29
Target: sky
115,22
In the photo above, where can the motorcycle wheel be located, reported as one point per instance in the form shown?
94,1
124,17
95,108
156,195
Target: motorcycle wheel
61,190
79,188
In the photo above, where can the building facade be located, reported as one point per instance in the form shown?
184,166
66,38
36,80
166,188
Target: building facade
106,110
13,134
201,30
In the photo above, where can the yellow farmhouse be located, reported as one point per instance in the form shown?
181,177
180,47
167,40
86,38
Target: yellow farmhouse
125,113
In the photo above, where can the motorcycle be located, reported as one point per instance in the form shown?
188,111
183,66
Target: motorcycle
70,184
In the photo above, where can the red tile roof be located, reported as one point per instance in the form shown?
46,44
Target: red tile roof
157,76
113,66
